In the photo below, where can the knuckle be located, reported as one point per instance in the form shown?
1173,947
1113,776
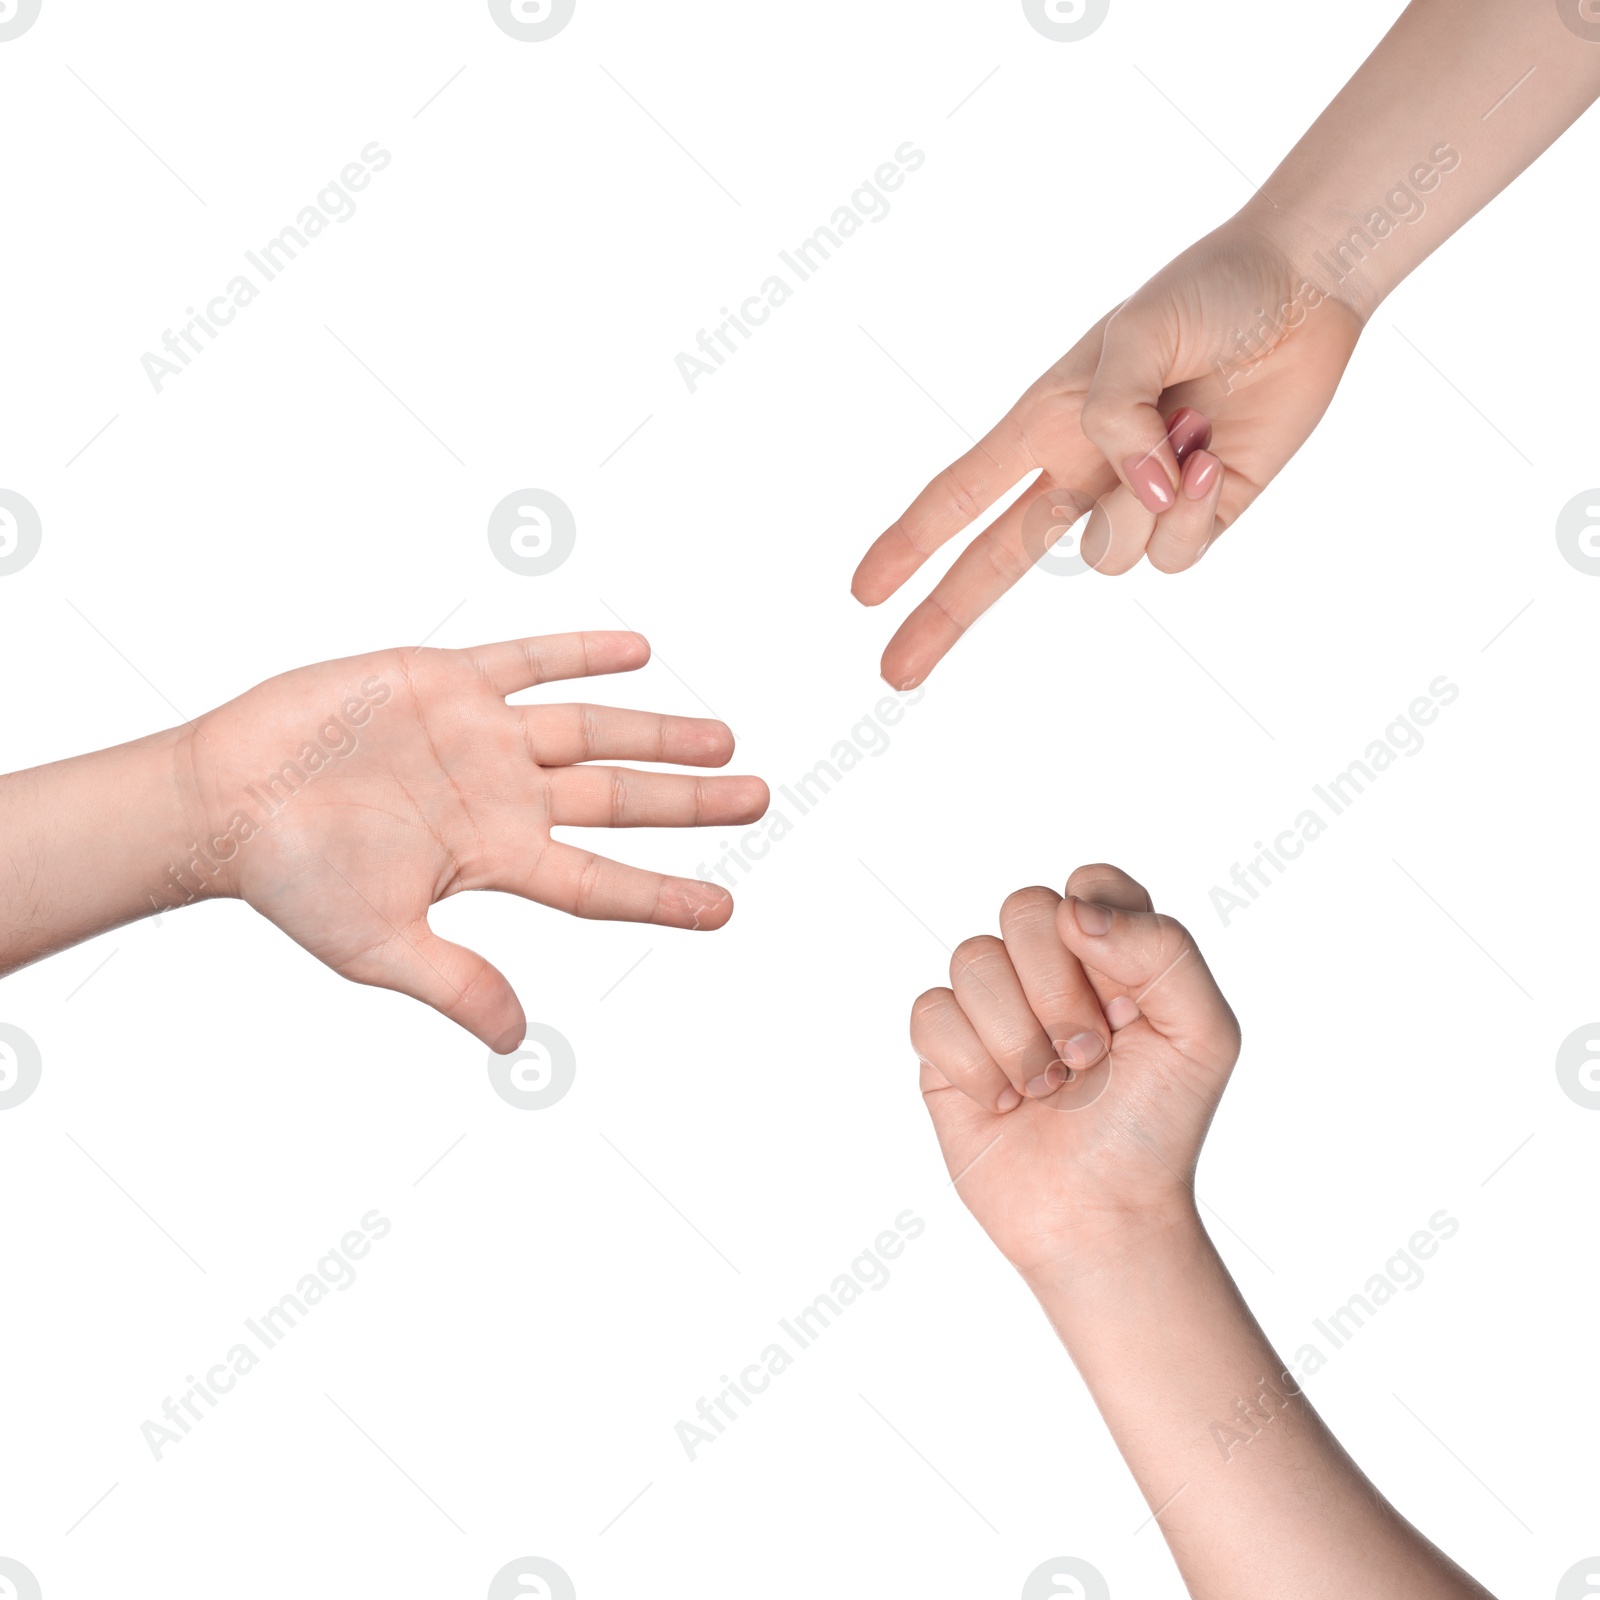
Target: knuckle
980,950
1169,555
1009,562
927,1009
973,957
588,731
960,494
587,888
1117,564
1094,874
1035,903
1063,1014
1099,413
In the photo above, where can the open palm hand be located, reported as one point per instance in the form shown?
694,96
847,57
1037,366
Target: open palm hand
343,800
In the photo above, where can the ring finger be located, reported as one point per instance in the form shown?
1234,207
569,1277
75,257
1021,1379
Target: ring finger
1182,534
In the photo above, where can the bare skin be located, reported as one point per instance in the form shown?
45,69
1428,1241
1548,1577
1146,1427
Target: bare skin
1084,1181
343,800
1252,326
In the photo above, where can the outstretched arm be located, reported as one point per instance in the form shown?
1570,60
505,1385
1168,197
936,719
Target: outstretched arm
1250,327
1254,1495
1365,197
343,800
1071,1071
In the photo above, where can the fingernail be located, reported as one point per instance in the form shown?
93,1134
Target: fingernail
1187,430
1200,474
1048,1081
1008,1101
1091,918
1081,1050
1121,1011
1148,480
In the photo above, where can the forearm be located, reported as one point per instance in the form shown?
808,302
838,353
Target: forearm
1458,98
1254,1495
93,842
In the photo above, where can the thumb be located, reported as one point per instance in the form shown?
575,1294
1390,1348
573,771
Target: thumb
457,982
1121,414
1144,963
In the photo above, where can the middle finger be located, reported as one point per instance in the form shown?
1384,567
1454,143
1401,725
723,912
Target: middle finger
1059,993
989,992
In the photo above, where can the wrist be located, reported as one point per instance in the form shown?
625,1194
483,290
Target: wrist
1117,1245
1323,257
193,855
94,842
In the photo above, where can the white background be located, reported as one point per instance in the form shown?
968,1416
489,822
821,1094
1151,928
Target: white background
521,278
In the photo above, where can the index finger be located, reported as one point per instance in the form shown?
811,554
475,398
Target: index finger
996,560
957,496
1142,963
1059,993
521,663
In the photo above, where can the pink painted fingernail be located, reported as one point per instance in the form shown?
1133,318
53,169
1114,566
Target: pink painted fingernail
1048,1081
1081,1050
1148,480
1199,474
1121,1011
1008,1101
1187,430
1092,919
